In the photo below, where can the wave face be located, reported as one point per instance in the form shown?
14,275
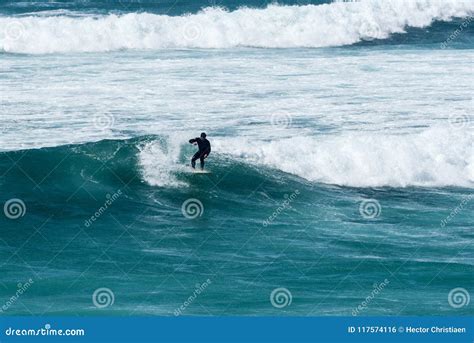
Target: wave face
335,24
354,160
349,159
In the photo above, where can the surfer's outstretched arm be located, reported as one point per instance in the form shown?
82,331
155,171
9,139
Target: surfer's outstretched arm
193,140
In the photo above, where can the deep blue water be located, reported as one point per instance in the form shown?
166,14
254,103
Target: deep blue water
151,256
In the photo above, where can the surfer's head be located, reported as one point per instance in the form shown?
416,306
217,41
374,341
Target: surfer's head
203,135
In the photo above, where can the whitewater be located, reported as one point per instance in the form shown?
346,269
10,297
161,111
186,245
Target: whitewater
335,24
322,115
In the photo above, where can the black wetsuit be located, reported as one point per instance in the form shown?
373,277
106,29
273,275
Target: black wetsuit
204,150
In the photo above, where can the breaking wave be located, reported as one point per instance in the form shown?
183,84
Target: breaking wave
335,24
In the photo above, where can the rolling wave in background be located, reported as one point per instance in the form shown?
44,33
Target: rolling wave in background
335,24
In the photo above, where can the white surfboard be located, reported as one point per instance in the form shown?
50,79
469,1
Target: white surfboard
199,171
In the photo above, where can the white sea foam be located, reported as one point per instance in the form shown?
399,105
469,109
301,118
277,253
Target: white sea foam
334,24
55,101
159,162
435,157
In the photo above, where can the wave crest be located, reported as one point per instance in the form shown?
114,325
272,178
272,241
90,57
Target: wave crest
339,23
435,157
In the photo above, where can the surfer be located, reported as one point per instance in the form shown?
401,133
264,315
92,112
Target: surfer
204,150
